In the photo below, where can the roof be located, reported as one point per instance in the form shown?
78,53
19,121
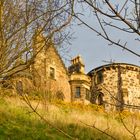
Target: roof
110,65
57,53
50,44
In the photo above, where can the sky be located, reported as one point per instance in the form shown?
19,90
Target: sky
95,50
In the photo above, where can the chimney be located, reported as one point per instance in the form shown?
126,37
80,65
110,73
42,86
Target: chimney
77,65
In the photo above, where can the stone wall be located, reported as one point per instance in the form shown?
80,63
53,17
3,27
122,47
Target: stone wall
48,59
106,80
79,81
83,82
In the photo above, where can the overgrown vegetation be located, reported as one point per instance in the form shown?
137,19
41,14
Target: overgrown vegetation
82,122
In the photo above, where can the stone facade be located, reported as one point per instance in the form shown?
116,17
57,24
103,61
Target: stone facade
116,84
79,81
50,74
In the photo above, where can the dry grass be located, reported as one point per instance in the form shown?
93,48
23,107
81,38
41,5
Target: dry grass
76,120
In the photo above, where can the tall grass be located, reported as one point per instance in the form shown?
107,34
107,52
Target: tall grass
17,121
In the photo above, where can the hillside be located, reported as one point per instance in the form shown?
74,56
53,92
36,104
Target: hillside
18,121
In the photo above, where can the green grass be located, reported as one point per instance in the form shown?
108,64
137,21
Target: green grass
17,122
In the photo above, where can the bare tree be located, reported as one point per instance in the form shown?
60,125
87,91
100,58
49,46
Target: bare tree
19,22
122,17
109,18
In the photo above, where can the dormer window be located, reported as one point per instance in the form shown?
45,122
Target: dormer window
52,73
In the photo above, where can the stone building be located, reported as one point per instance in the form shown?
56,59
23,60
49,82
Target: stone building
79,81
116,84
49,71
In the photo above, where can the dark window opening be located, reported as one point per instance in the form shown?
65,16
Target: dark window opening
99,77
78,92
52,73
100,99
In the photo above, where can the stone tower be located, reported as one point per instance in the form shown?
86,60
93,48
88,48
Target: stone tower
79,81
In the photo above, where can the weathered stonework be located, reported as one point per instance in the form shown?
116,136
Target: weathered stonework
50,74
110,82
115,86
79,81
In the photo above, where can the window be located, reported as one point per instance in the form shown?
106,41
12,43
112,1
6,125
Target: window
100,99
52,73
78,92
99,77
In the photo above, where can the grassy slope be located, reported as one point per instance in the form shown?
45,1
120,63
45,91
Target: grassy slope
17,122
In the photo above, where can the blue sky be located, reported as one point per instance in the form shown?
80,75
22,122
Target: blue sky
94,50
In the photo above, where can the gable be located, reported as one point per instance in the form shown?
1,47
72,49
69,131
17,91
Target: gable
53,58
